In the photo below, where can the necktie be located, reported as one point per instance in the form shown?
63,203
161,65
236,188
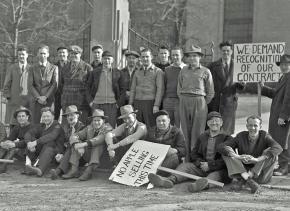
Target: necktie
226,68
42,68
21,78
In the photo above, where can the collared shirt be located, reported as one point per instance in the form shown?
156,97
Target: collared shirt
105,93
147,84
210,152
131,71
196,82
23,79
43,63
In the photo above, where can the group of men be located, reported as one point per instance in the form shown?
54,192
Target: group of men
105,110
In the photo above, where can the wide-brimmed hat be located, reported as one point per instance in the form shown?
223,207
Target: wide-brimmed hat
22,109
284,59
98,113
107,54
71,109
132,53
193,49
160,113
213,114
126,110
76,49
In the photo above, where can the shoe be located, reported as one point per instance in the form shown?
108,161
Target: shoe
88,173
198,185
54,173
280,172
238,185
160,181
33,170
72,173
3,168
254,186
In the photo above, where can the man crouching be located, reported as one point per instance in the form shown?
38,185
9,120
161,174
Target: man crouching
88,144
251,155
206,161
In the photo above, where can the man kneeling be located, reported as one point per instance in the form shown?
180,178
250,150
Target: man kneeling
88,144
255,156
205,160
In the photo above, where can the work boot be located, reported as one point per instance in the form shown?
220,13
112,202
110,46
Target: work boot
3,168
87,174
198,185
72,173
160,181
55,173
282,171
254,186
33,170
238,185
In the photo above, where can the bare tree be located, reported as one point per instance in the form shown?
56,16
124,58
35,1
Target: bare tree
32,21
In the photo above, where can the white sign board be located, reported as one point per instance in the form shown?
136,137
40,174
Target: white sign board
255,62
141,159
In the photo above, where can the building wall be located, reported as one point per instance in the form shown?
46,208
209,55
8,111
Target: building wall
110,26
204,23
272,21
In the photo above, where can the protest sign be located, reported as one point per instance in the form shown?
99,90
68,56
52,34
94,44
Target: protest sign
141,159
255,62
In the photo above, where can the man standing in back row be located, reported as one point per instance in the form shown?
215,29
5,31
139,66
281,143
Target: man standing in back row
225,99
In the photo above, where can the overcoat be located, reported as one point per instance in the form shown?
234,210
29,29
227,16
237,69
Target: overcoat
280,108
225,99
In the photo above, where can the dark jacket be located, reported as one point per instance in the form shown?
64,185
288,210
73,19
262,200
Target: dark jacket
174,137
43,85
59,79
51,137
128,81
18,132
118,82
280,108
67,130
198,153
225,98
241,142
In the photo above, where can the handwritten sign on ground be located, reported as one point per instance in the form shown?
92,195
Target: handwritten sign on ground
141,159
254,62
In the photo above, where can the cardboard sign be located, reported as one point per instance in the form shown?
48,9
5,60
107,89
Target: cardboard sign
141,159
255,62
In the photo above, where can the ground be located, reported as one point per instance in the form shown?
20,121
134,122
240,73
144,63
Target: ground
20,192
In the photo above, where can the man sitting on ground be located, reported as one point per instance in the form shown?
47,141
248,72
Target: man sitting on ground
251,155
44,142
206,161
15,144
121,138
88,144
164,133
72,126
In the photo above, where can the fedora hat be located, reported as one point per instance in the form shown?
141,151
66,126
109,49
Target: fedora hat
284,59
126,110
71,109
193,49
98,113
22,109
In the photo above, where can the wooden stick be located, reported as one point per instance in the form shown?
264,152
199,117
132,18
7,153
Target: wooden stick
6,161
191,176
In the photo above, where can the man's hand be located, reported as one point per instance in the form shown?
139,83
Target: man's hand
7,144
81,151
4,100
248,159
128,93
204,166
112,147
58,157
111,153
172,151
42,100
80,145
91,104
281,122
155,109
31,144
